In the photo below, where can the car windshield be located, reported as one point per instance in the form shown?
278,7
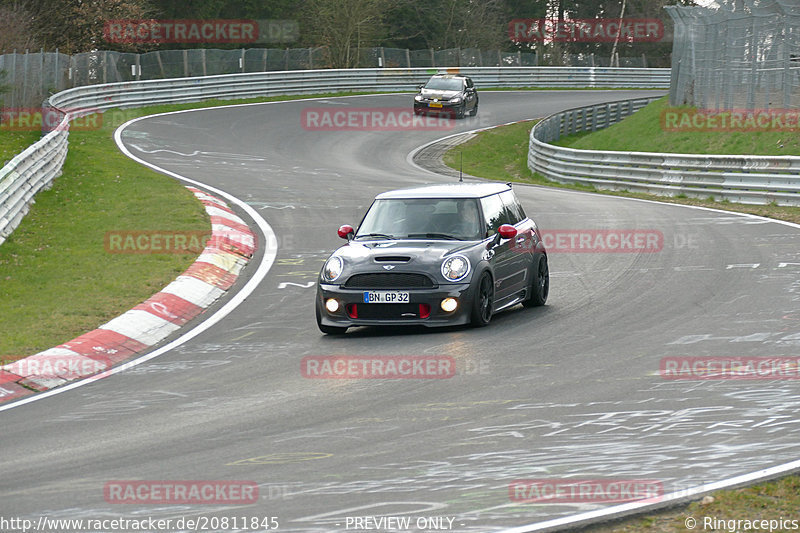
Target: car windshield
422,218
444,84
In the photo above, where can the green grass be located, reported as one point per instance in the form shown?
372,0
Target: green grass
501,154
56,279
643,132
14,142
765,501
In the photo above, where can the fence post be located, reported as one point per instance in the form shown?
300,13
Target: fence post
433,58
203,55
519,58
55,73
787,85
72,70
25,74
42,77
242,60
160,64
408,58
185,63
383,58
286,55
751,90
139,68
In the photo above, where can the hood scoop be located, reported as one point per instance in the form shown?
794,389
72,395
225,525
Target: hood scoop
392,259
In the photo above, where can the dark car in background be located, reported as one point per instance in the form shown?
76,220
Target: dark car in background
435,255
448,94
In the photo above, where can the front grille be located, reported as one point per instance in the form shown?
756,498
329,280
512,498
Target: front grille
389,280
390,311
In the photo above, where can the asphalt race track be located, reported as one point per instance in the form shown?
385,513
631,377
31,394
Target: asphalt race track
570,390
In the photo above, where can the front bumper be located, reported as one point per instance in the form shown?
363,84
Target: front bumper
446,109
395,314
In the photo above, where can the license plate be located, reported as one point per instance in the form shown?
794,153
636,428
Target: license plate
385,297
434,104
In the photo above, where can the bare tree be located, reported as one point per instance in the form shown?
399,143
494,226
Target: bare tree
15,28
462,24
77,25
345,26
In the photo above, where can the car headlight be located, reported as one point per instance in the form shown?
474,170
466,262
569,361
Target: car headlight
455,268
333,268
455,99
418,98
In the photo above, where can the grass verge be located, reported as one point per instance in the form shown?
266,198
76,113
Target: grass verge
501,154
56,279
643,132
728,510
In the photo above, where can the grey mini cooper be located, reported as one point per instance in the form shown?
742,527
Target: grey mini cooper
435,255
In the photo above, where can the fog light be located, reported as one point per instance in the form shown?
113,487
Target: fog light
449,305
332,305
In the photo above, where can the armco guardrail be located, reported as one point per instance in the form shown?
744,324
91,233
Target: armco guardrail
738,178
27,174
35,168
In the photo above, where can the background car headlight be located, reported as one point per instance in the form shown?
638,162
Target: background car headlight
455,99
333,268
418,98
455,268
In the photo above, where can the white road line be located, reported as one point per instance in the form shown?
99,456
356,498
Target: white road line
263,268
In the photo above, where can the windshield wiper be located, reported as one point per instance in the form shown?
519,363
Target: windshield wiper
378,235
435,236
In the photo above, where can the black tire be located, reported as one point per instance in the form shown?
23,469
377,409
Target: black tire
483,301
461,111
540,284
329,330
474,110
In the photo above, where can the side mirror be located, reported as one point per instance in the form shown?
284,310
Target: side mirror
507,231
346,232
419,87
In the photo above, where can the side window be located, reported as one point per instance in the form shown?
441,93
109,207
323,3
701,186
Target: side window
494,213
512,207
469,82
